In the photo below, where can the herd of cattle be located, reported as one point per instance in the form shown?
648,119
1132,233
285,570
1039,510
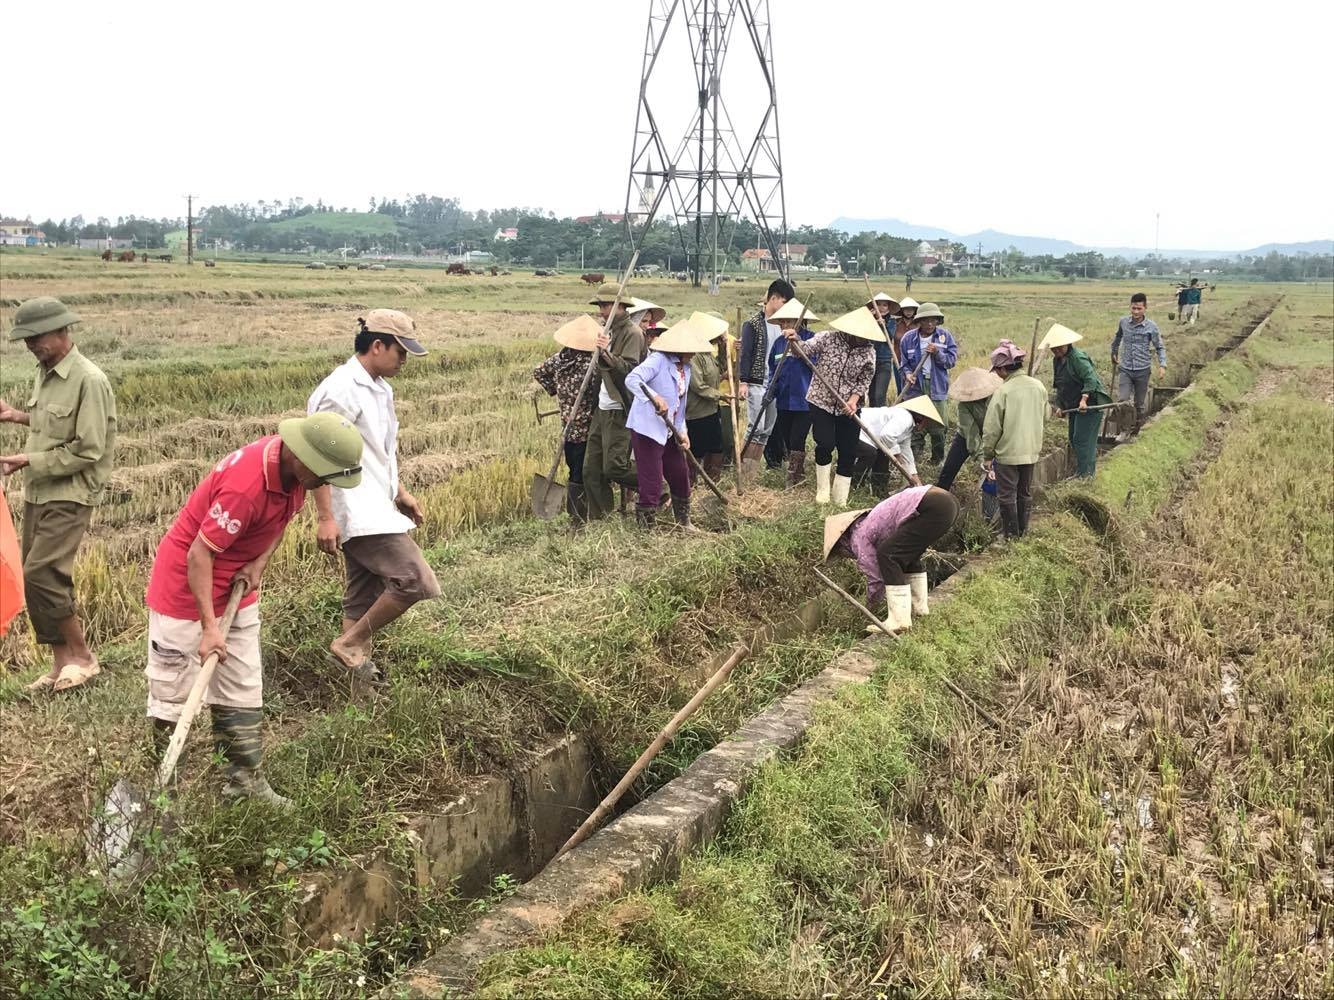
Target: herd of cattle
128,256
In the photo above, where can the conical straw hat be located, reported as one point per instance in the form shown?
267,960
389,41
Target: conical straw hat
580,333
922,406
714,326
684,337
859,323
836,524
791,309
882,297
1059,336
973,384
908,302
656,313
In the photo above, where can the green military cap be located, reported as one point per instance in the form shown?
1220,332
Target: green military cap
40,315
327,445
610,291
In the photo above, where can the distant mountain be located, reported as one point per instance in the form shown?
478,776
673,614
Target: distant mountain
993,241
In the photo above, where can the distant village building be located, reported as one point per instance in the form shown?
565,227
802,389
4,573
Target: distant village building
587,220
759,258
940,251
20,233
105,243
506,235
831,264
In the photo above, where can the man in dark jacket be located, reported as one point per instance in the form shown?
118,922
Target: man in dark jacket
757,336
607,457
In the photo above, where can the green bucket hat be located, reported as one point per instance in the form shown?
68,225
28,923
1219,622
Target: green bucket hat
608,291
327,445
41,315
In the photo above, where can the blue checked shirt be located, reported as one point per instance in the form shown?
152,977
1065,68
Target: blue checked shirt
1133,341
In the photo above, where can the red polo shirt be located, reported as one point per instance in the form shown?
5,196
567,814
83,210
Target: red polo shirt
238,510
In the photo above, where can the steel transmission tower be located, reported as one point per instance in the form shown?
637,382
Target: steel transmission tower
719,170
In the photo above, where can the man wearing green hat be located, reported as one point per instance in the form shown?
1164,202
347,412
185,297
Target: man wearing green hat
620,349
386,573
225,534
71,419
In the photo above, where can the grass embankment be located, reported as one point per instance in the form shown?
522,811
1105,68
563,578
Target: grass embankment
1153,819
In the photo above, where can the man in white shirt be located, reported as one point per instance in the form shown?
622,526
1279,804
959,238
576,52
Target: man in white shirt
386,573
895,426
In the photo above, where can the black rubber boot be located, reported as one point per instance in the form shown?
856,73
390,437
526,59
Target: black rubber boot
796,468
681,511
646,517
576,504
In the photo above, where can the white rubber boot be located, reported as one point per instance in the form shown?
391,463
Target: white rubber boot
917,581
842,484
822,476
898,610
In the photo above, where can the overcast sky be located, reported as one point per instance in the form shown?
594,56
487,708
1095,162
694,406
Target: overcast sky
1070,120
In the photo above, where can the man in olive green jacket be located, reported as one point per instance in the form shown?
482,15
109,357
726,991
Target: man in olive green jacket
1012,435
71,419
1078,387
607,457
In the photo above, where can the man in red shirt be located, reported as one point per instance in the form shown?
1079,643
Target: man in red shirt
226,533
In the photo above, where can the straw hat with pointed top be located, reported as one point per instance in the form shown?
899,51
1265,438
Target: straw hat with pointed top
836,524
923,407
685,337
1059,336
859,323
580,333
710,322
973,384
791,309
656,313
908,302
928,310
882,297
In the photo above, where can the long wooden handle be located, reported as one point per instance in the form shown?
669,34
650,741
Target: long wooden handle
653,749
736,399
880,321
196,696
690,456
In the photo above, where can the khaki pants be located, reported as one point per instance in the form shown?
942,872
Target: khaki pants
607,461
51,535
173,665
380,563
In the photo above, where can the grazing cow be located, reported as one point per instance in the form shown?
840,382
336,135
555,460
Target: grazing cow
164,257
541,273
593,279
143,258
494,270
456,269
342,267
210,263
377,267
126,257
106,254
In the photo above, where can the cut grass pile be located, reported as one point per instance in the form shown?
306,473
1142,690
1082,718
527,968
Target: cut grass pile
1154,819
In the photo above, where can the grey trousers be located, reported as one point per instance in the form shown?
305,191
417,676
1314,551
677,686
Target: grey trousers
765,416
1134,384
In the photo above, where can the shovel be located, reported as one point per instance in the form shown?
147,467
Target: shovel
548,496
112,833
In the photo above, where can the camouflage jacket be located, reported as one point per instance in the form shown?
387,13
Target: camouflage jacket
561,375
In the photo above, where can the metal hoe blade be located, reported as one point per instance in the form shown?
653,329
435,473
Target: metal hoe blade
548,497
110,837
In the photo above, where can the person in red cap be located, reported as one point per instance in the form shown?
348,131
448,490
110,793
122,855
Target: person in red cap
225,534
386,572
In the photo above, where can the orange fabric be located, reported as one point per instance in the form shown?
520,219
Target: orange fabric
11,569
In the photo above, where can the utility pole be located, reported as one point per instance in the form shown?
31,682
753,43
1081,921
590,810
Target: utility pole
189,229
1155,235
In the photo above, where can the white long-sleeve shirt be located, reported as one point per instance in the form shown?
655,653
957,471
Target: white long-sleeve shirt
894,426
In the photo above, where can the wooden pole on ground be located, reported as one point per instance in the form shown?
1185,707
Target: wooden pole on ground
637,768
960,692
735,402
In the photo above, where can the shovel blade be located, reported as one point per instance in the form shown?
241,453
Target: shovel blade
111,834
548,497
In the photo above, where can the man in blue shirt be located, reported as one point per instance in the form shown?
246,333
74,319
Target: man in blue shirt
1193,295
1136,340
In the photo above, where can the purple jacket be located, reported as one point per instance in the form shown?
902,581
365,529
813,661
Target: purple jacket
935,373
660,373
883,520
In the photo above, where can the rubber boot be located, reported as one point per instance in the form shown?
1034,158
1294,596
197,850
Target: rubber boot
750,460
842,484
898,610
1023,507
1009,521
681,511
823,473
917,582
576,504
796,468
713,466
646,517
236,737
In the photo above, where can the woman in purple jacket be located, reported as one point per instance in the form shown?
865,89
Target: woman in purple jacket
887,542
657,421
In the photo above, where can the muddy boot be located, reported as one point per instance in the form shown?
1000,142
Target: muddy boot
681,511
750,461
236,737
1009,521
796,468
713,466
898,610
646,517
576,504
918,585
1022,511
823,476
